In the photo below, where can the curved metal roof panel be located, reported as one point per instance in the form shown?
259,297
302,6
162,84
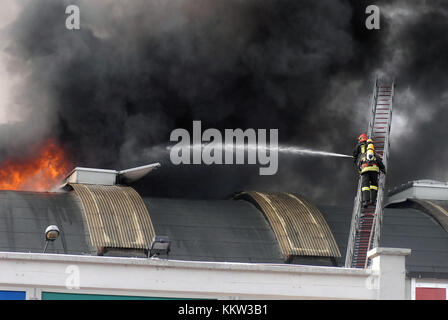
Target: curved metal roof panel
299,226
116,216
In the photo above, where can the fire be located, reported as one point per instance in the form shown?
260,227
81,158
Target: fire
40,172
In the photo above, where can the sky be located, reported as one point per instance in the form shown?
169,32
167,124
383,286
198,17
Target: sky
113,91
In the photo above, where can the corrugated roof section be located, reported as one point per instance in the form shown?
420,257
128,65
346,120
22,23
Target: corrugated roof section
116,216
298,225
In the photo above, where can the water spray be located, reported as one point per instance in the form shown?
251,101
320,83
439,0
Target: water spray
309,152
230,153
293,150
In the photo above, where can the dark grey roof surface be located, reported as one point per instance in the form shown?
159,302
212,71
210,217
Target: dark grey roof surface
218,230
338,219
407,227
24,216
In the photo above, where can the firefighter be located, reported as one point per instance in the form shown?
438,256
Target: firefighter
370,165
361,147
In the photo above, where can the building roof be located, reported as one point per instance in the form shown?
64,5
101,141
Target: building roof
223,230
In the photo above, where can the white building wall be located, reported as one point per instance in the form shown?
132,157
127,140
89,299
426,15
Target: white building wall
389,264
170,278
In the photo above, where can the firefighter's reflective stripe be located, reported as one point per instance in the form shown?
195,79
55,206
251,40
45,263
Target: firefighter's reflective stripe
370,168
373,187
365,189
363,148
365,167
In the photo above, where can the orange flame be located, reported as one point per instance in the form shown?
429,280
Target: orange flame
38,173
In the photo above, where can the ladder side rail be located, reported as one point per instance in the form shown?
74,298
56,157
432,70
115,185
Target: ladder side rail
373,108
354,226
380,200
379,209
374,240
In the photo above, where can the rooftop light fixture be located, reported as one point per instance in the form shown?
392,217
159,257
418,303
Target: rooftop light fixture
159,245
51,233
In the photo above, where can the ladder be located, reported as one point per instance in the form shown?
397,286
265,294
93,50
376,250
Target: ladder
366,222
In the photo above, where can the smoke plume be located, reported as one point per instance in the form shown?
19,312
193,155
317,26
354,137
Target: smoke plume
113,91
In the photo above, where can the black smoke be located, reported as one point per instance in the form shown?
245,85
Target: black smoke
113,91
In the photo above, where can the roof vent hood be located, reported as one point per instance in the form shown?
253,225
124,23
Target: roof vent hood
419,189
108,177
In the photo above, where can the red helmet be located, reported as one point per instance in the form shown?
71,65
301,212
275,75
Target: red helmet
363,137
